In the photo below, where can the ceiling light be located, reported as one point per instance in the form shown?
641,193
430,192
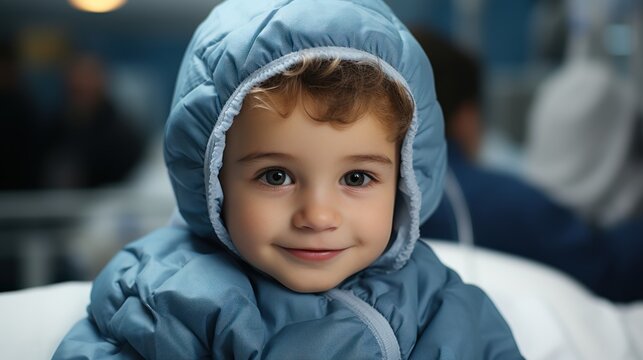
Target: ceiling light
97,6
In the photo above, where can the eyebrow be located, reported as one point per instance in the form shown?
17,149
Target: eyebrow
365,158
371,158
264,155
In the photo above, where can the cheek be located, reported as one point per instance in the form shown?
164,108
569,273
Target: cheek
374,222
251,219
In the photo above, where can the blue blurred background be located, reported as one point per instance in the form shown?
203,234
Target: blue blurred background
69,74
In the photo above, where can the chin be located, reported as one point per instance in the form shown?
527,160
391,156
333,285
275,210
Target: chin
310,287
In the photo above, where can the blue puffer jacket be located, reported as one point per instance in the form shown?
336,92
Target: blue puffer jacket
183,292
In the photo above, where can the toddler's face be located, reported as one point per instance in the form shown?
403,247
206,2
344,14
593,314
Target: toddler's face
305,202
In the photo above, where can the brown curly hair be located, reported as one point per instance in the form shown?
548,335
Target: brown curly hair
338,91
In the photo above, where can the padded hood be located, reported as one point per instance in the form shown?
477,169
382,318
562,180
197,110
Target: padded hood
244,42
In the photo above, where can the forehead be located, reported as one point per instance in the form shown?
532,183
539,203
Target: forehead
257,129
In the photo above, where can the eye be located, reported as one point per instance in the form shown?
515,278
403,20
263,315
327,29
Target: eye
356,178
275,177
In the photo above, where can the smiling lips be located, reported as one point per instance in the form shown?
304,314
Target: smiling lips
313,255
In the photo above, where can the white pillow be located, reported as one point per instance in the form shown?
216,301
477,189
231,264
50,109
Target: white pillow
34,321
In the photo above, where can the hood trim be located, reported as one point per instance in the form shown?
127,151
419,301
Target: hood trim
406,229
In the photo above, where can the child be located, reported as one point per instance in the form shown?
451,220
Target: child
300,136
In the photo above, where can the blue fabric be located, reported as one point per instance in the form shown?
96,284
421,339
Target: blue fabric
172,295
509,215
182,292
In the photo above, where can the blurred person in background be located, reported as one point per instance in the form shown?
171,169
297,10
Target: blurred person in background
584,142
19,143
509,215
90,142
585,130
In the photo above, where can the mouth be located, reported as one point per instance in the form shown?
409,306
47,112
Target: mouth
313,254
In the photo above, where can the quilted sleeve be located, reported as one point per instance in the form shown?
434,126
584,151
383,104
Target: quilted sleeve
166,296
465,324
84,342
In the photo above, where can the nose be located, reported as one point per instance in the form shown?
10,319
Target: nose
317,213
